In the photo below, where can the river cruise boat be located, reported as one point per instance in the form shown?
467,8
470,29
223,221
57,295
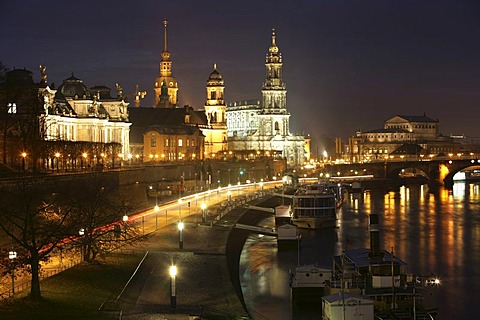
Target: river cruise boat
314,206
385,279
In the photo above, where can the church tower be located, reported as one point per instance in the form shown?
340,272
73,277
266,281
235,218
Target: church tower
166,77
274,118
215,111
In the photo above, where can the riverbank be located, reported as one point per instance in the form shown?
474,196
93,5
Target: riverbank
207,281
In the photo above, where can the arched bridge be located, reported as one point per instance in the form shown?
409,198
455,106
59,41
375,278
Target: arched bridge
438,171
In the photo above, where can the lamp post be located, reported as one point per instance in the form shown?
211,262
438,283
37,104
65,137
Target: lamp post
57,156
179,209
13,255
84,156
204,212
261,187
173,293
229,196
24,155
125,219
180,234
81,233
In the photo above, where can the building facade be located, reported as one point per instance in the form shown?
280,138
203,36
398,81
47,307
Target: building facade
215,130
75,113
403,136
165,78
173,144
255,126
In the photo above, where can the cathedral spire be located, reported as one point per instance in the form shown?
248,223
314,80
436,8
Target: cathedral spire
165,22
166,75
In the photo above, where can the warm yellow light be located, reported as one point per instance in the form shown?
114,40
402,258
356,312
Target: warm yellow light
180,226
173,271
151,156
156,208
57,154
84,155
203,206
125,218
24,154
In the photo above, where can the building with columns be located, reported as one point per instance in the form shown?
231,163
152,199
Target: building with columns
165,87
262,127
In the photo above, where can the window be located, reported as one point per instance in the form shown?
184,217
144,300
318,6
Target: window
153,140
12,108
180,142
188,143
166,142
213,95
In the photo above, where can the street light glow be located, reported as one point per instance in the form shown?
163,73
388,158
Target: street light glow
180,226
173,271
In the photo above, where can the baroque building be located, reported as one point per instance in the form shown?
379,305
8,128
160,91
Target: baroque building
166,87
75,113
67,128
403,136
263,126
215,130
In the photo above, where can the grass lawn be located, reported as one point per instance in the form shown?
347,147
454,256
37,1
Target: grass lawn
75,293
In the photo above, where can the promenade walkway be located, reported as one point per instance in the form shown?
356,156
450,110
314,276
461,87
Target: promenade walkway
203,282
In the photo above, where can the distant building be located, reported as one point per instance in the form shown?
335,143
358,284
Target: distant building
166,97
159,134
402,136
256,127
215,130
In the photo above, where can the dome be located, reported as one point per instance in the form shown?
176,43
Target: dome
73,88
215,78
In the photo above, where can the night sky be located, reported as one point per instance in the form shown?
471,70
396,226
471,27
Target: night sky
348,64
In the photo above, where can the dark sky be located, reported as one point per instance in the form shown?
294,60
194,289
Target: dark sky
348,64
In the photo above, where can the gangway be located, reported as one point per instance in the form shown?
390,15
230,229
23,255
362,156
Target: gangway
250,207
261,230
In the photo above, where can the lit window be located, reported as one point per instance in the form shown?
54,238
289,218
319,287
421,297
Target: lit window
153,140
12,108
180,142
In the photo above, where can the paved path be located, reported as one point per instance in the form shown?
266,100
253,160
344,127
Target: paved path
207,281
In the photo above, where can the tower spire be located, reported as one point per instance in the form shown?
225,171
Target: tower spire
165,22
273,38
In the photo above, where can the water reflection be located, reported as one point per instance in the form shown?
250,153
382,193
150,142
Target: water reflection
434,231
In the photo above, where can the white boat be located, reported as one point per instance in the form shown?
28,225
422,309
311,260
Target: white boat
314,206
308,283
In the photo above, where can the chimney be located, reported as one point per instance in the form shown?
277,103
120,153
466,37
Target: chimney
374,236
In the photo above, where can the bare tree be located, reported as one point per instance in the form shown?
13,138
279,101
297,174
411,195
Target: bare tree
98,209
37,221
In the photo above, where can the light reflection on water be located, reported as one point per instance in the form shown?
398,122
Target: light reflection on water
434,231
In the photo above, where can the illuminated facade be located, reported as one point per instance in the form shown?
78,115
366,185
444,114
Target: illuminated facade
165,79
402,136
172,144
264,127
75,113
215,131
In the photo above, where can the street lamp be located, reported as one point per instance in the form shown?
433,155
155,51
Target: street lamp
81,233
173,295
57,155
84,156
179,209
261,187
13,255
125,219
229,195
24,155
204,212
180,239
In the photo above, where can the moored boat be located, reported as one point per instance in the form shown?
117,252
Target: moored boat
314,206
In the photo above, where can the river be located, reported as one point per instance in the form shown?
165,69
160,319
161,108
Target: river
434,231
